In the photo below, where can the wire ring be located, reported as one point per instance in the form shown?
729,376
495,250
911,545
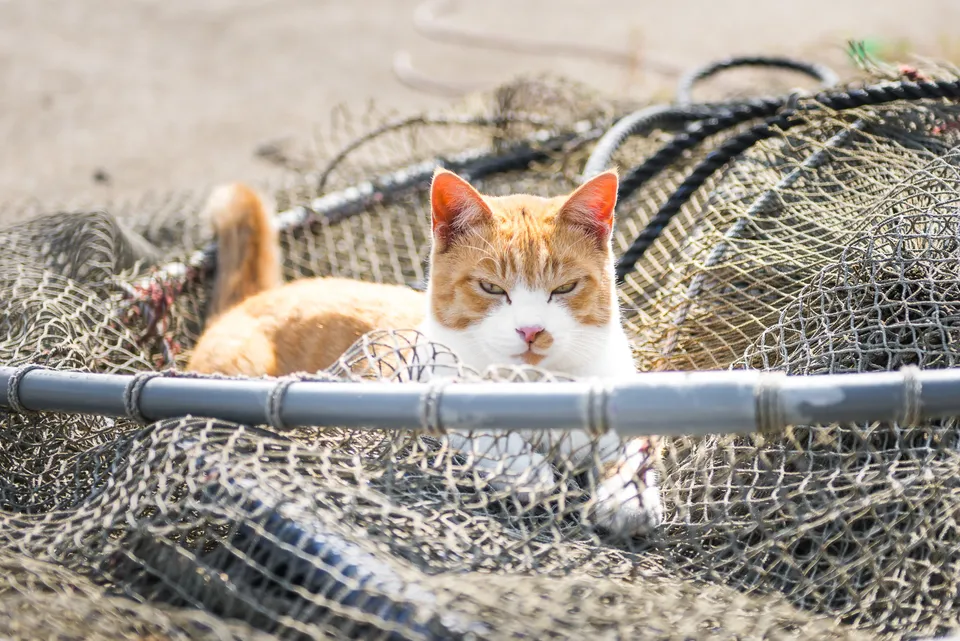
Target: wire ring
597,402
132,393
275,402
430,420
13,387
768,405
912,396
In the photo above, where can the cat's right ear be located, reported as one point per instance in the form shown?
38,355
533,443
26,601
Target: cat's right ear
456,207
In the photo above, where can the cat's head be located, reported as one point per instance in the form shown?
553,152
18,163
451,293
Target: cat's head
523,279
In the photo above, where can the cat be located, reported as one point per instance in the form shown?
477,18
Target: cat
513,280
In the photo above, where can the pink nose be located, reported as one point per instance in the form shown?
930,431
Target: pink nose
530,333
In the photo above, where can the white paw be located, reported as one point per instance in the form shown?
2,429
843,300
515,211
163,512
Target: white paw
624,510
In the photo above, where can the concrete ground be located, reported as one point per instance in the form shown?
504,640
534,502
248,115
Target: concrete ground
107,98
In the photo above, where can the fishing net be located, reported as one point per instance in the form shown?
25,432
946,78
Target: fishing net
831,246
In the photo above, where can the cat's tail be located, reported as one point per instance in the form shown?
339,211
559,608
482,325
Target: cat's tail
248,246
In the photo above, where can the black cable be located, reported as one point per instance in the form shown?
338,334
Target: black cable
640,122
825,75
432,120
730,149
716,159
722,120
663,116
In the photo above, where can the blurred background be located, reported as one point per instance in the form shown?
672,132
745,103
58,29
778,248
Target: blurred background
110,98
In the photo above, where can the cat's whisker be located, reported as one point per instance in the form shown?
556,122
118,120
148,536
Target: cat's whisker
486,253
490,245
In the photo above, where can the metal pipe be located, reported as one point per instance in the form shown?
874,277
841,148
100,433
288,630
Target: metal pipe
656,403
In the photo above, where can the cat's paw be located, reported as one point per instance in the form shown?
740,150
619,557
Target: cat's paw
623,509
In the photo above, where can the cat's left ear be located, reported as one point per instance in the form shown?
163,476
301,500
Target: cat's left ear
456,206
591,206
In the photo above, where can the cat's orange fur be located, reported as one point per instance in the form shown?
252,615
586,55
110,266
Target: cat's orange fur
535,241
499,267
248,261
306,325
258,327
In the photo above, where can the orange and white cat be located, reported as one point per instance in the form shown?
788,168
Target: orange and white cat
514,279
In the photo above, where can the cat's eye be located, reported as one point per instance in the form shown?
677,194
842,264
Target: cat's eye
490,288
564,289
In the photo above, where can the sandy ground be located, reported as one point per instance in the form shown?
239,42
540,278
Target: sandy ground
155,95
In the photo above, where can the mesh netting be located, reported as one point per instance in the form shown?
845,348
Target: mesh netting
197,528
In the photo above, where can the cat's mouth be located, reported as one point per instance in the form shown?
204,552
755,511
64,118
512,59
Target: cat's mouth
530,357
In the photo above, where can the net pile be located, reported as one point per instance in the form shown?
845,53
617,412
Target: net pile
201,529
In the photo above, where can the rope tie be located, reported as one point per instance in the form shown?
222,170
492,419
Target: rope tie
912,399
278,393
597,401
768,405
275,402
132,393
430,421
13,387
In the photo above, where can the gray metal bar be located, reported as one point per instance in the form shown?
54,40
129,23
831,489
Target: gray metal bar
229,400
355,405
845,398
693,403
527,406
670,403
70,392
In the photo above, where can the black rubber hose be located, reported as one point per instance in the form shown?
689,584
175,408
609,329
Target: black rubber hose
716,159
667,155
730,149
662,116
640,122
825,75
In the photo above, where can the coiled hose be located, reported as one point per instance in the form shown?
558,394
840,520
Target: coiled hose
786,119
683,113
826,76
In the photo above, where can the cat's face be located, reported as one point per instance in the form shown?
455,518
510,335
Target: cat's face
524,279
